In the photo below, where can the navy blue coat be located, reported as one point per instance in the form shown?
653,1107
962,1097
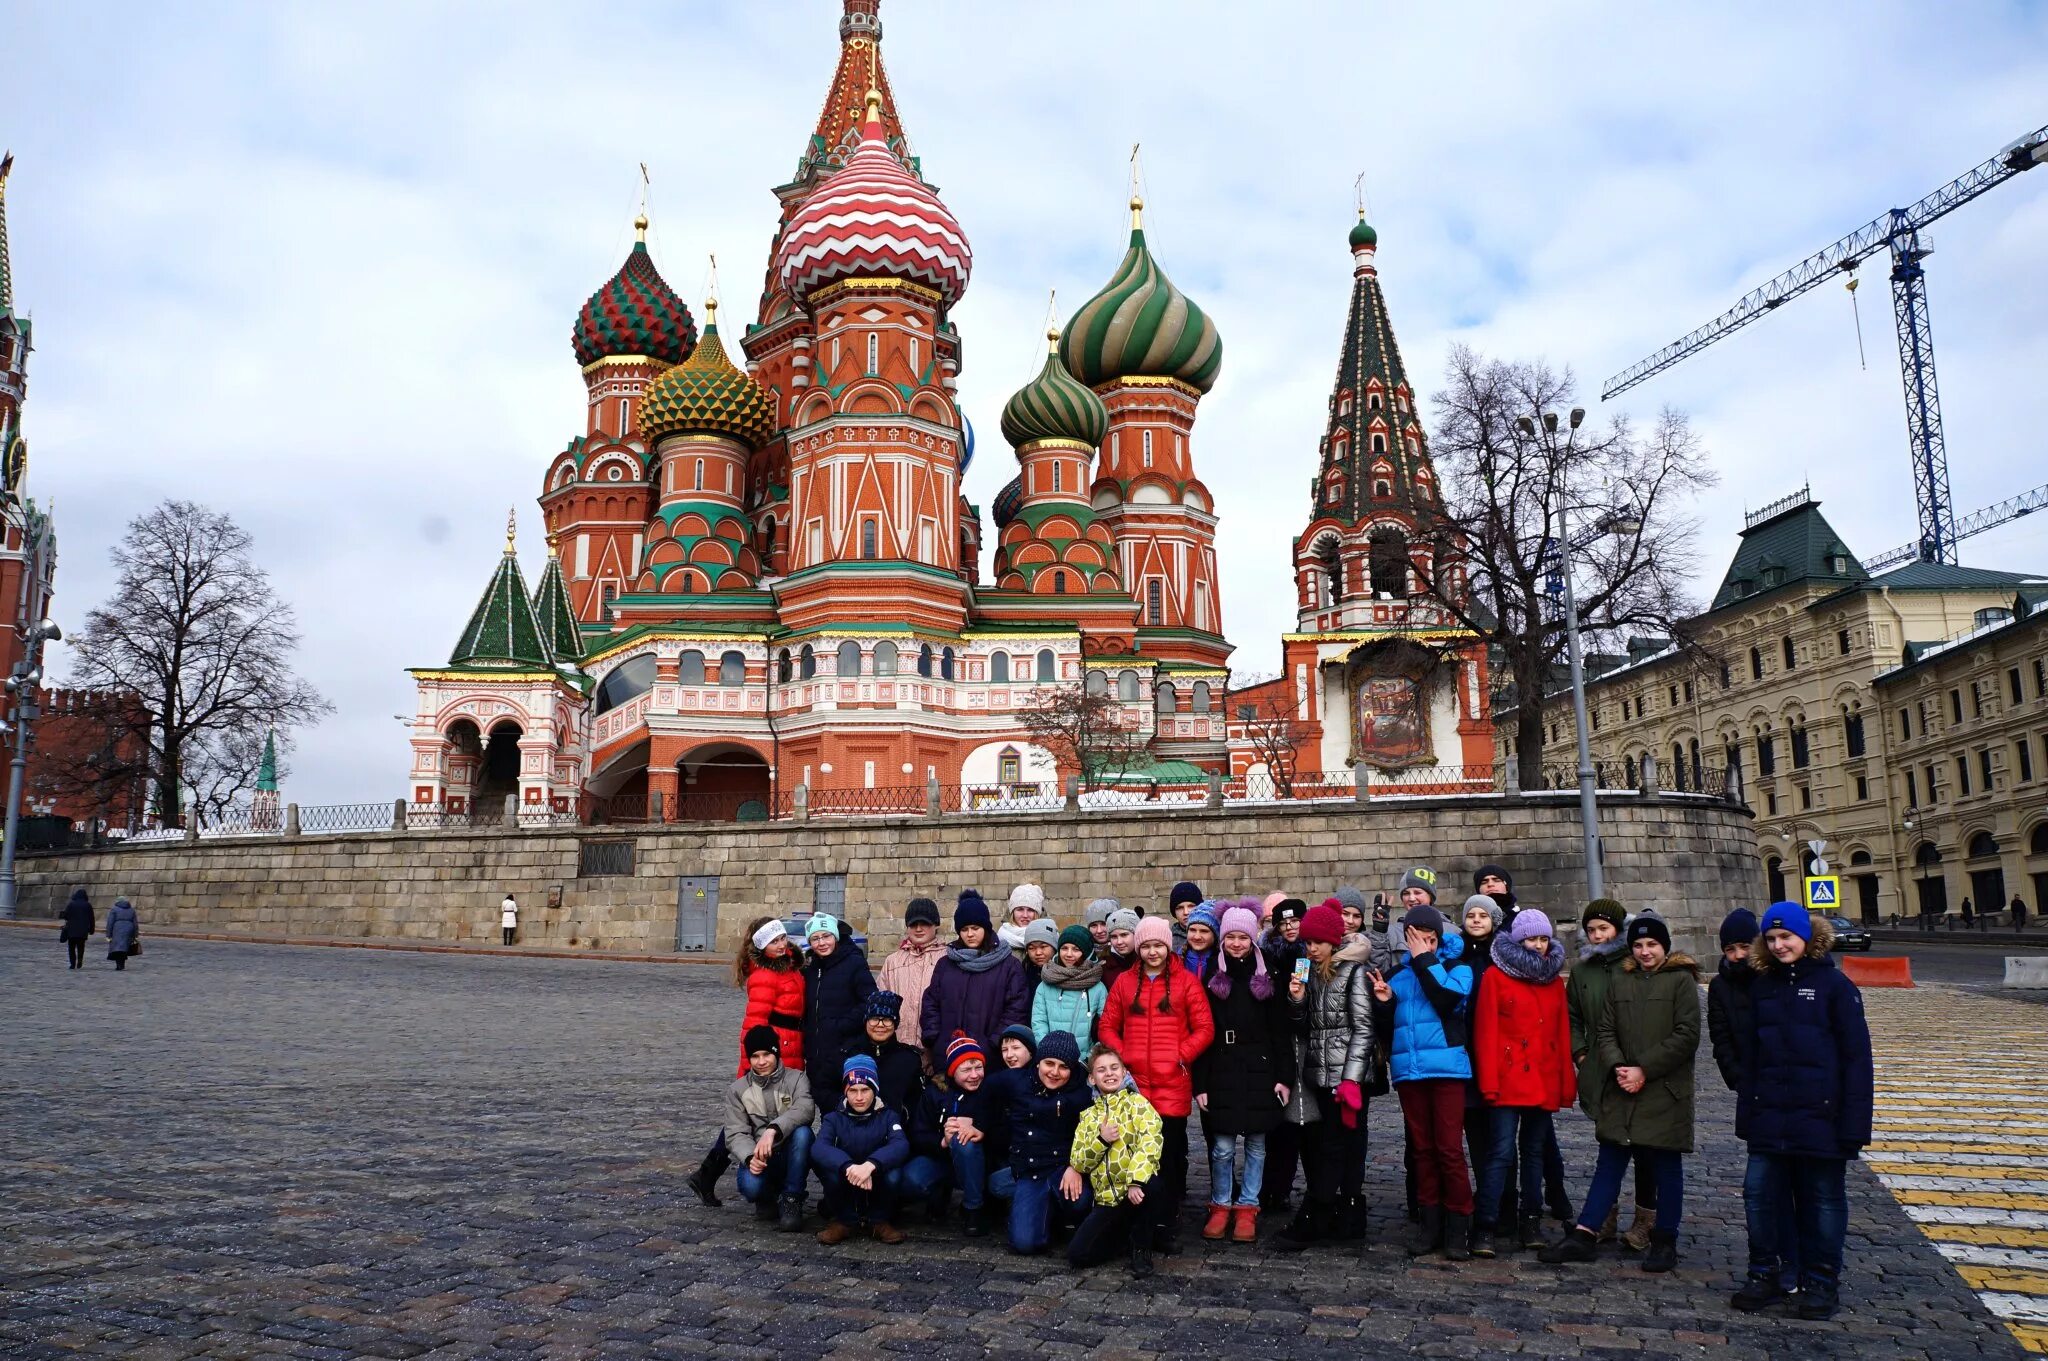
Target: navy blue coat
836,991
902,1071
1042,1123
984,1106
1807,1079
845,1139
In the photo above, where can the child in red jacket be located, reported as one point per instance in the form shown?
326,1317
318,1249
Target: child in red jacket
768,967
1522,1044
1158,1019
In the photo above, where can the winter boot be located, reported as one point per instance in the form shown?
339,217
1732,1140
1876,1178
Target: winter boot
1428,1231
835,1233
1607,1225
1244,1224
1217,1224
1640,1226
885,1232
1580,1245
1820,1296
1759,1292
1458,1237
789,1214
704,1181
1663,1253
974,1222
1141,1252
1166,1233
1304,1229
1483,1245
764,1208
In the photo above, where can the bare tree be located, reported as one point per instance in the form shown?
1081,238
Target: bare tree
1085,732
1507,474
1261,710
194,628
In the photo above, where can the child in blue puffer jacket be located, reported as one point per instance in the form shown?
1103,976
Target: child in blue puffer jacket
1422,1003
857,1147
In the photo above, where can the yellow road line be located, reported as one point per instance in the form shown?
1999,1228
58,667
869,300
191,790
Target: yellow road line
1986,1200
2006,1279
1988,1234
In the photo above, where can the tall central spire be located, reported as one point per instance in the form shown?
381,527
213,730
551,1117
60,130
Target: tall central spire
6,269
839,121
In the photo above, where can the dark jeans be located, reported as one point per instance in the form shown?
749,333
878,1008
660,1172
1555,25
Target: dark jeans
788,1168
844,1201
1434,1110
1173,1164
1663,1168
1809,1246
76,949
1109,1229
1517,1141
1283,1156
1035,1201
965,1166
1333,1155
509,932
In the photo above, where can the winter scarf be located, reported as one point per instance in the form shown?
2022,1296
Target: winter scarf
1519,962
1251,970
1589,951
978,961
1072,978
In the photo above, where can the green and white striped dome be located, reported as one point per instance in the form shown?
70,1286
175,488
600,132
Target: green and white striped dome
1141,326
1054,406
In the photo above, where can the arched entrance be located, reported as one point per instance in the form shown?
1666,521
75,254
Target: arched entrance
498,772
722,782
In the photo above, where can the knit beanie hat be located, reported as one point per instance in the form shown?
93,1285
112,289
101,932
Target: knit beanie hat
1485,872
762,1039
1154,928
1485,901
1207,914
1044,931
1739,928
1604,910
771,931
1099,911
1239,918
963,1047
1423,917
1185,891
1324,922
1789,916
883,1006
1272,900
861,1068
1294,909
1351,896
1028,895
1076,936
1529,922
972,911
921,912
821,924
1653,928
1123,919
1062,1046
1422,877
1018,1032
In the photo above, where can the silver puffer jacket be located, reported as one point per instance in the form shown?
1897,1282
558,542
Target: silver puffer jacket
1339,1045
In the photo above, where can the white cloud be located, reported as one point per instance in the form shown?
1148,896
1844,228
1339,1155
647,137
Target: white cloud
317,267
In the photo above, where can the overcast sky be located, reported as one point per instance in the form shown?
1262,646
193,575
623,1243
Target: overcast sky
316,266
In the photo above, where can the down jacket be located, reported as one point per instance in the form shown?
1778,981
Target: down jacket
1731,1014
845,1139
775,997
1424,987
907,972
781,1100
836,988
1521,1038
1808,1080
1585,998
1253,1051
1041,1121
1133,1160
1074,1010
78,923
1160,1026
984,1106
981,1004
1652,1022
1339,1019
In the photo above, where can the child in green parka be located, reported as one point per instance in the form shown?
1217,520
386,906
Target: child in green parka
1585,995
1117,1147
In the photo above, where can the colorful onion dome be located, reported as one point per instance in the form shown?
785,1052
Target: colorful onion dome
1363,236
1008,502
1054,405
637,313
1141,326
706,395
966,442
873,218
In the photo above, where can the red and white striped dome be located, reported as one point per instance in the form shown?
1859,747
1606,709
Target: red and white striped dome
873,218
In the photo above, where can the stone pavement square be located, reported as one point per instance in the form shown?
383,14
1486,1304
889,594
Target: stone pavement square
255,1151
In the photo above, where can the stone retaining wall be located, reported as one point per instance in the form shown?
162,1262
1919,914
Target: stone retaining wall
1688,857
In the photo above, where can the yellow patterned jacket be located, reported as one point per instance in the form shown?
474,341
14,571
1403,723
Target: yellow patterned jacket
1112,1169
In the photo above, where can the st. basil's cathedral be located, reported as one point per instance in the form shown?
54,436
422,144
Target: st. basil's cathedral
763,572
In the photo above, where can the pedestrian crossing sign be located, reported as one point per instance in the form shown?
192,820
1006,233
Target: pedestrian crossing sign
1823,892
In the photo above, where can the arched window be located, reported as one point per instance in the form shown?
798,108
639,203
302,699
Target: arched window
1199,697
1164,700
867,540
1756,663
690,668
924,660
1127,685
1389,562
1774,873
885,658
1698,774
1096,684
1059,583
1790,655
1678,766
1332,568
1048,668
807,662
999,667
849,658
732,668
1628,771
946,664
629,680
1983,845
783,670
2037,844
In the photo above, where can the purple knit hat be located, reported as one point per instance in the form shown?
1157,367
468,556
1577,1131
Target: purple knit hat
1243,915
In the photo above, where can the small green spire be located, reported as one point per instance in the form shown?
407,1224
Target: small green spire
266,773
503,630
551,608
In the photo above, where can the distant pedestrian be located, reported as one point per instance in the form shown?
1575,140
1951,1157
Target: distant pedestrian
508,917
1969,915
123,933
78,927
2019,913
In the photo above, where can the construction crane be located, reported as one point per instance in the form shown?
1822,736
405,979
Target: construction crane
1899,232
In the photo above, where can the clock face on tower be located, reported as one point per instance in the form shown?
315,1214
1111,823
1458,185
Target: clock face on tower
15,468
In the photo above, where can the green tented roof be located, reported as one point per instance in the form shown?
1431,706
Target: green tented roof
503,630
1788,549
551,609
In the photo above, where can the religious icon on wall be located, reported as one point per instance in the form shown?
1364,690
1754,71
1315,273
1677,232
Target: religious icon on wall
1389,688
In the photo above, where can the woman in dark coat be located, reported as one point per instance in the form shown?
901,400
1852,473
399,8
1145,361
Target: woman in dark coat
121,933
837,982
78,927
1245,1077
977,989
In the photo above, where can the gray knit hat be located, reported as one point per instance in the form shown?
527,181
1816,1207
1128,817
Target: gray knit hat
1422,877
1042,931
1123,919
1486,901
1099,910
1349,895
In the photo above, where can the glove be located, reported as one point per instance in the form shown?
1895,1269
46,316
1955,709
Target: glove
1349,1102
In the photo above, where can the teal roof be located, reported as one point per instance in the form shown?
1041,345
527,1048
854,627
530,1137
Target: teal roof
503,630
1796,546
551,608
266,773
1947,576
1151,770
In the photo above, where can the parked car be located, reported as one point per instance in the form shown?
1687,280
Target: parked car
1849,935
859,939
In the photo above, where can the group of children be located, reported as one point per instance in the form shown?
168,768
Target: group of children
1054,1072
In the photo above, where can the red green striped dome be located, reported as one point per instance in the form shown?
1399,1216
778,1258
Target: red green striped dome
637,313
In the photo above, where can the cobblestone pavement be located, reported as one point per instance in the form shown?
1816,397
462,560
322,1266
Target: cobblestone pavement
1963,1144
237,1151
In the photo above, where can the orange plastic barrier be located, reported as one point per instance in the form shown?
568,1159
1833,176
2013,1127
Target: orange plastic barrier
1867,971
